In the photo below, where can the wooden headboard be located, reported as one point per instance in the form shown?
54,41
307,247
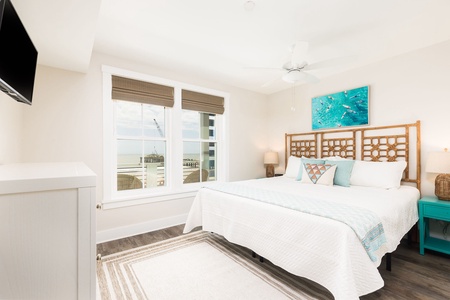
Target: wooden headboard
383,143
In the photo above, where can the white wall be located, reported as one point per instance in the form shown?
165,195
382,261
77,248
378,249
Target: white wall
65,121
10,129
65,124
403,89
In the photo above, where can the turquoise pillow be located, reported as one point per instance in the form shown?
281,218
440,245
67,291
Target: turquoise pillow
308,161
343,171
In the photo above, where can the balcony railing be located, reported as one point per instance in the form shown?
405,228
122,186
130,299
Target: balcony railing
153,176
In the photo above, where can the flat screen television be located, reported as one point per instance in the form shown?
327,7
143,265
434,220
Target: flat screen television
18,56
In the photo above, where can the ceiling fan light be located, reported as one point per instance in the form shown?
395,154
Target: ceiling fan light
293,76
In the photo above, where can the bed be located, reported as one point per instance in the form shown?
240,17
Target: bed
313,230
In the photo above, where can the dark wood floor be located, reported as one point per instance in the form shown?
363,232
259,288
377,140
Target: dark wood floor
413,276
139,240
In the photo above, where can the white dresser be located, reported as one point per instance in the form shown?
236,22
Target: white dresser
47,231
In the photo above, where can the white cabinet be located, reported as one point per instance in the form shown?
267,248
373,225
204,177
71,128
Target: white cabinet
47,231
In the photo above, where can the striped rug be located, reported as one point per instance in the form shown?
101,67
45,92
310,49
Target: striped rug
198,265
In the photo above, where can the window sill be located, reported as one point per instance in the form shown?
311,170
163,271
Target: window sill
131,200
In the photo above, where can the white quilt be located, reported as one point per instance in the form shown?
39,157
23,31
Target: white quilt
320,249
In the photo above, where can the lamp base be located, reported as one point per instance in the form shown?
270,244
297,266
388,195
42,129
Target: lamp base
442,187
270,171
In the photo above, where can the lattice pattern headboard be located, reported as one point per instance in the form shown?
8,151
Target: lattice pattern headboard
383,143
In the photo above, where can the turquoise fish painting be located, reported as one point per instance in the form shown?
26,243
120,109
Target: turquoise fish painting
346,108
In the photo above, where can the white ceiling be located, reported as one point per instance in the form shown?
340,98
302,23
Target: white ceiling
220,40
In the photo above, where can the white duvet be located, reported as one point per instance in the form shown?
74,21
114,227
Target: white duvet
320,249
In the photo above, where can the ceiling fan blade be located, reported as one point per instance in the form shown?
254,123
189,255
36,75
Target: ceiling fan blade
268,83
264,68
330,63
299,50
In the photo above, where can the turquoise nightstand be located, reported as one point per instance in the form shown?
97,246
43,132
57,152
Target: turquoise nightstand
432,208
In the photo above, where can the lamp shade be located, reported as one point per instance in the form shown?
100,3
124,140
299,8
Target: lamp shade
438,162
293,76
271,158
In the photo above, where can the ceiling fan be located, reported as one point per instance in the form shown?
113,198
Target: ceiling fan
296,68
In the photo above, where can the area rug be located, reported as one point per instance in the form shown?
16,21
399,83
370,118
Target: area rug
198,265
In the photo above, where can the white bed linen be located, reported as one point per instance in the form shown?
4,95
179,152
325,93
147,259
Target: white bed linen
320,249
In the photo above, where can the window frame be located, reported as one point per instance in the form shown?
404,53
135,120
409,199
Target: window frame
174,188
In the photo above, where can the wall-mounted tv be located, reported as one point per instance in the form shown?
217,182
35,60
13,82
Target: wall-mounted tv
18,56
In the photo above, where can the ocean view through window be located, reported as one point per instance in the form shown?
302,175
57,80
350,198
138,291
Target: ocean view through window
141,145
162,141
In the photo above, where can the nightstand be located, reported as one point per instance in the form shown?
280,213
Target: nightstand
432,208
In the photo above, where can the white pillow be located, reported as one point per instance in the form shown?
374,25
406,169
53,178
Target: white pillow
318,174
336,158
293,166
384,175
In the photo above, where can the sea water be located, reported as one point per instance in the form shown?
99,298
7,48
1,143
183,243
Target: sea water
346,108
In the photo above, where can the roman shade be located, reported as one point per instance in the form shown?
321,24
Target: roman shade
202,102
142,92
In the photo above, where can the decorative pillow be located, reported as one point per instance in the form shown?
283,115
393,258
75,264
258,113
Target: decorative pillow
318,173
343,171
384,175
294,164
307,161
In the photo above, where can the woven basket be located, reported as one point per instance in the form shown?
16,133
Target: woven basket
442,187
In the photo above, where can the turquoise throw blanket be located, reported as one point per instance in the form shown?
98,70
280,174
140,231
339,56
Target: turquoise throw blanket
365,223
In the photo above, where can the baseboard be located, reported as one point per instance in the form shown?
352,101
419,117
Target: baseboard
134,229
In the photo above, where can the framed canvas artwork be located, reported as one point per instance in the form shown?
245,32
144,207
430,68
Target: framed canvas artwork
342,109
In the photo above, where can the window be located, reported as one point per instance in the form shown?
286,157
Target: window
139,133
162,139
200,112
141,145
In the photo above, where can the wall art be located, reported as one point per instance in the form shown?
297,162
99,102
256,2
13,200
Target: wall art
342,109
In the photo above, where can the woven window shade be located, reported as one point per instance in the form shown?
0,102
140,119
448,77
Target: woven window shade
141,91
202,102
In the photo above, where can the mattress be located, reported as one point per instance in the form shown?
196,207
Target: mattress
318,248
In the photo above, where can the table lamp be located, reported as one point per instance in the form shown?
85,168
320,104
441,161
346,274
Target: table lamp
270,159
439,162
